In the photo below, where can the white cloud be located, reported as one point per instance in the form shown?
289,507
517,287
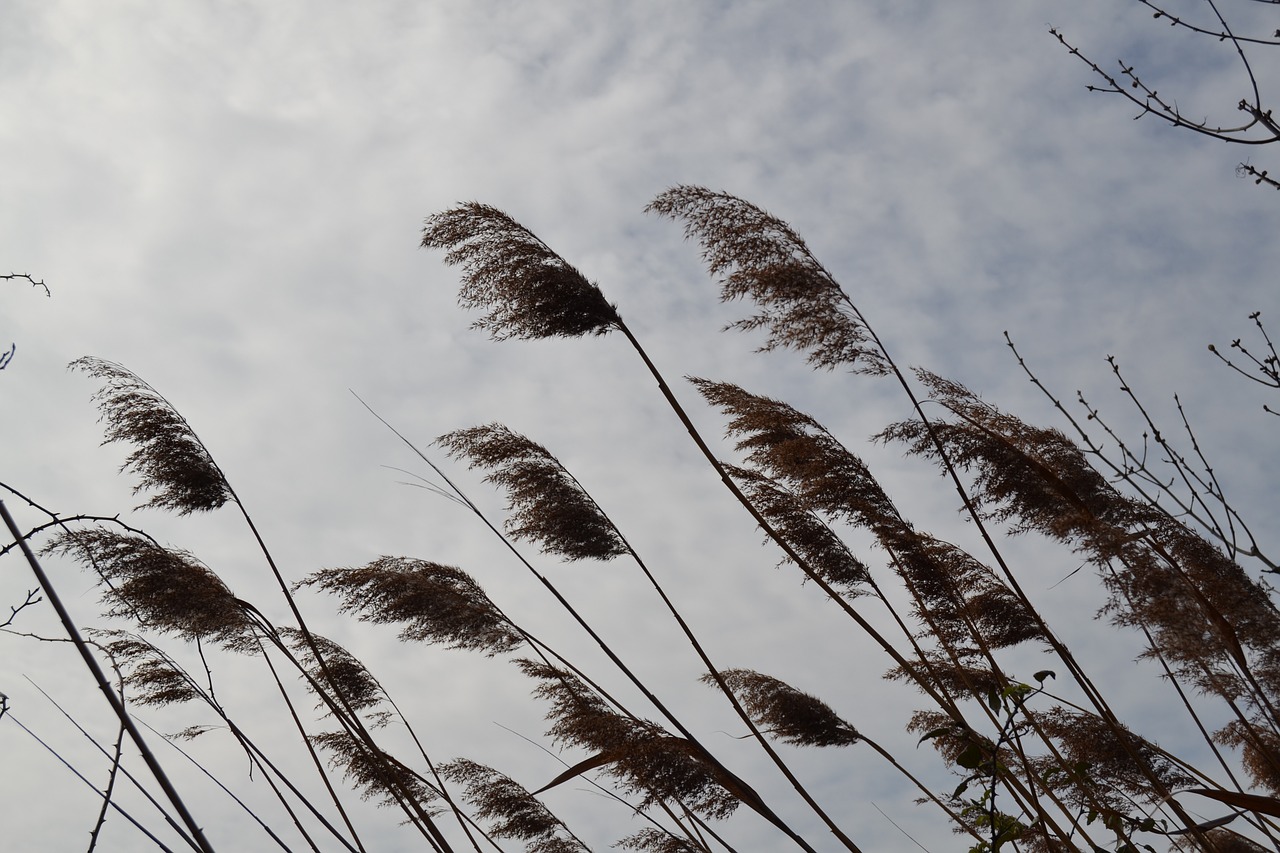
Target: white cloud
227,197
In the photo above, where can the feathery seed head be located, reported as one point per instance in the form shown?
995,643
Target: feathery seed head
434,602
342,671
796,717
547,504
167,590
152,676
514,811
378,774
528,290
642,756
759,257
170,458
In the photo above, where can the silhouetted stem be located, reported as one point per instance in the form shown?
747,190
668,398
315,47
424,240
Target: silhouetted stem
758,805
200,842
339,700
136,824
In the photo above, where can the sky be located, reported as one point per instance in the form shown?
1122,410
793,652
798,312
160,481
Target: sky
227,198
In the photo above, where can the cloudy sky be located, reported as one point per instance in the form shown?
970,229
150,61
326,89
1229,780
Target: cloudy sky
227,198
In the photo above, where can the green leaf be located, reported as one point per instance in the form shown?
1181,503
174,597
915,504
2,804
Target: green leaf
1043,674
971,758
933,733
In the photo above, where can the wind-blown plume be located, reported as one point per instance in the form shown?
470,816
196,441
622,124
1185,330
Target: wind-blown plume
547,504
792,447
167,590
1206,615
515,812
652,840
170,458
956,592
792,715
1112,776
342,671
825,552
436,603
641,755
528,290
759,257
378,774
153,676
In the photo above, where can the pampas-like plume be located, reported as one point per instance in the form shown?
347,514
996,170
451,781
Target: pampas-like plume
1035,478
825,552
796,717
436,603
547,504
379,775
528,290
342,671
170,459
515,812
758,256
790,446
1259,752
641,755
961,594
1200,606
167,590
651,840
1109,769
152,676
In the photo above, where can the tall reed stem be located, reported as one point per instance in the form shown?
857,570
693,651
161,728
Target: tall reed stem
197,834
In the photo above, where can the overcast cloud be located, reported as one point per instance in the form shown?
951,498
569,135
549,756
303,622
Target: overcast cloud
227,199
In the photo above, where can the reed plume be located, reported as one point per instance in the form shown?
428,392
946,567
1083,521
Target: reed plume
822,549
152,676
379,775
1206,615
757,256
512,810
792,447
547,504
528,290
1259,752
345,674
170,460
646,760
796,717
434,602
653,840
168,590
955,592
1099,767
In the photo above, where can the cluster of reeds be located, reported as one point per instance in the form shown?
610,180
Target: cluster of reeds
1033,771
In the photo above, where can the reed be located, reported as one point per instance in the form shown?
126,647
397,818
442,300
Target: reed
1020,763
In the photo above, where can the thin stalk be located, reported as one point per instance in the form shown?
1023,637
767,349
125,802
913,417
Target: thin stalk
315,759
238,801
758,805
728,692
137,825
338,701
68,625
464,821
142,789
942,700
